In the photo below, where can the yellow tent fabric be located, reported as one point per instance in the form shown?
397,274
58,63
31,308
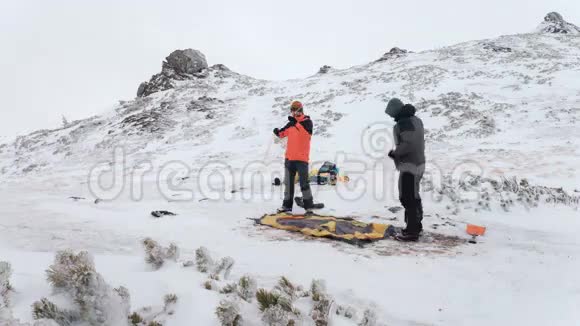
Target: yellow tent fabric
346,229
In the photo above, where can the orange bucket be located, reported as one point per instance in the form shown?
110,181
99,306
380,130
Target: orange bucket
475,229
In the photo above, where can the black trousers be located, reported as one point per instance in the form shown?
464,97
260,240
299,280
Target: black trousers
411,201
291,169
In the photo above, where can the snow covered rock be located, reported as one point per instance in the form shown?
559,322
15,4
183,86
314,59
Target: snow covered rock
220,67
158,82
394,53
555,23
324,69
496,48
179,65
188,61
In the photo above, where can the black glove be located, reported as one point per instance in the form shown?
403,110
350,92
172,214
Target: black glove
276,131
391,154
292,119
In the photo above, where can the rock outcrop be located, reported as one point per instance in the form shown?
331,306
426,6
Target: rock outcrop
554,23
179,65
324,69
496,48
394,53
182,62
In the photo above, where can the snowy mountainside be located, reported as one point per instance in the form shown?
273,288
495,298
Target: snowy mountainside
480,99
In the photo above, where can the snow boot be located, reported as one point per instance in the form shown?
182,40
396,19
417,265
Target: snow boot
407,237
284,209
405,232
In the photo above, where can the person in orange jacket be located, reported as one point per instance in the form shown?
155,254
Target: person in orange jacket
299,132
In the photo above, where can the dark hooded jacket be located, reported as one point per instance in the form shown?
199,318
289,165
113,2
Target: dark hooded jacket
409,139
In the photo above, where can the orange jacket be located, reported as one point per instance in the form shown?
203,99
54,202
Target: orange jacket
299,133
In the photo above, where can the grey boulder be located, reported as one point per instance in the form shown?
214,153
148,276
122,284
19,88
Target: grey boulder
188,61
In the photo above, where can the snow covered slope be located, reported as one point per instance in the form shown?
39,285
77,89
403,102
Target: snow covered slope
484,100
503,107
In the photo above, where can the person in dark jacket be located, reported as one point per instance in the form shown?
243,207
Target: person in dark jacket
299,132
409,158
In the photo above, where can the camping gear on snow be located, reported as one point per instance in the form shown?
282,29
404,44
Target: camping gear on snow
345,229
159,214
300,202
474,231
329,171
327,174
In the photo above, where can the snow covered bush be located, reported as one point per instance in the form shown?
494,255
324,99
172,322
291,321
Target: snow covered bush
135,319
40,322
229,288
369,318
210,285
321,311
224,266
276,309
45,309
155,254
188,263
203,260
247,288
123,293
348,311
267,299
6,318
169,302
157,315
481,193
286,288
95,302
275,316
5,287
206,264
228,313
317,289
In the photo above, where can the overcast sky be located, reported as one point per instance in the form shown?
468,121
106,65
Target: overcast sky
78,58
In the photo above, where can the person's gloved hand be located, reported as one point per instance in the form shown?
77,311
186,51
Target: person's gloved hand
391,154
292,119
276,131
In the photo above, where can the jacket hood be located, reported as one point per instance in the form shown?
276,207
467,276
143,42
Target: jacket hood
394,107
407,112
